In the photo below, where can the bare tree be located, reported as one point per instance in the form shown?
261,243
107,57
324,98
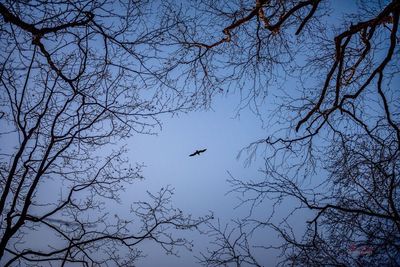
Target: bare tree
77,76
334,137
230,246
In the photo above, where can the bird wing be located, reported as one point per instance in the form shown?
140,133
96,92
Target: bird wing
197,152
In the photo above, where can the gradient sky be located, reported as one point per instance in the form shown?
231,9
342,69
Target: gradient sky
200,181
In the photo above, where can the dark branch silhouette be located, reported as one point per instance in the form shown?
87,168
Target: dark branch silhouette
197,152
76,76
332,142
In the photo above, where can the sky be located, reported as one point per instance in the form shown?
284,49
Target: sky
200,182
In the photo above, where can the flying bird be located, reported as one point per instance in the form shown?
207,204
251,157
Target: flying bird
198,152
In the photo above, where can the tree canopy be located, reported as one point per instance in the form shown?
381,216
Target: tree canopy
77,76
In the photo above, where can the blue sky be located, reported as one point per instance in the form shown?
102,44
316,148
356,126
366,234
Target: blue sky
199,182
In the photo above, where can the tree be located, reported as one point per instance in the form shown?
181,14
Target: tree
75,77
231,246
334,137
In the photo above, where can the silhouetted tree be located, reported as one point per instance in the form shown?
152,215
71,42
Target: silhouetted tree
231,246
75,77
333,140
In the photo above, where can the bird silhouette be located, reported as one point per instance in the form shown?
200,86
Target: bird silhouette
198,152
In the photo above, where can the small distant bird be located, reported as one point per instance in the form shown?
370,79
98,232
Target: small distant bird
198,152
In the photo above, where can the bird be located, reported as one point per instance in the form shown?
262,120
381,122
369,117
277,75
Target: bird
198,152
